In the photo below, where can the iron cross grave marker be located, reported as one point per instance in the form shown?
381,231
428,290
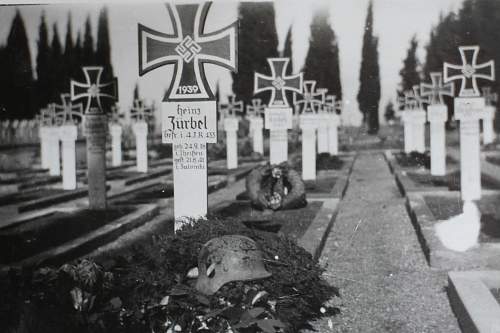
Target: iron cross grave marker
436,89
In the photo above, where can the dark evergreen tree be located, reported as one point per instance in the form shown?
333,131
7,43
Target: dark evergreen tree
410,75
257,41
69,60
88,54
103,51
78,56
56,73
369,76
322,60
19,93
3,84
136,93
43,89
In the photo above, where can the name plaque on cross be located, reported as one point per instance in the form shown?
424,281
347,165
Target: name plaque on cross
189,108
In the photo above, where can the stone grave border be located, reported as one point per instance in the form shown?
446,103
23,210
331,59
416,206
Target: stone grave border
472,301
53,199
86,243
436,254
404,183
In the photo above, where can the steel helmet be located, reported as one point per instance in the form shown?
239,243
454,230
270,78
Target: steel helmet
226,259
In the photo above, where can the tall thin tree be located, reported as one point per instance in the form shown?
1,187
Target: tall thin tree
43,64
369,76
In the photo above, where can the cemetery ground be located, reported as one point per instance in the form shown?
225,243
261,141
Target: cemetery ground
368,221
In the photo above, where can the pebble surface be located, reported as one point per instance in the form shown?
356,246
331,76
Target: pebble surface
373,255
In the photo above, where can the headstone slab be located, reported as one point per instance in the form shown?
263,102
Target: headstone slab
308,124
437,115
188,48
469,71
140,129
278,83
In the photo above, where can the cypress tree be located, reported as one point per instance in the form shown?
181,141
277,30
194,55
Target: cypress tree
322,60
19,101
410,75
69,53
43,64
56,74
369,76
78,55
136,93
3,84
257,41
103,51
88,54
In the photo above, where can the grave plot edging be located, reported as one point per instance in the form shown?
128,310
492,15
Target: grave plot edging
314,238
437,255
52,200
472,301
86,243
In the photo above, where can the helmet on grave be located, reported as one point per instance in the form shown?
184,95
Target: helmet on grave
226,259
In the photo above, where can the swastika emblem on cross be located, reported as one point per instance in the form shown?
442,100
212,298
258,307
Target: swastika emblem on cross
93,90
188,48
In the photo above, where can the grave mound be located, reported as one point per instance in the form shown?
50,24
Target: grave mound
146,288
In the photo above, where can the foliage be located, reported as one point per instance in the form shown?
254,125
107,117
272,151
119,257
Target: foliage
369,76
322,60
257,41
18,88
43,64
410,74
414,159
389,114
146,289
475,23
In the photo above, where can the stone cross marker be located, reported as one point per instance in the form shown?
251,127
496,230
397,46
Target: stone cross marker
490,99
139,114
414,118
255,111
96,127
309,106
116,130
68,115
468,109
333,124
230,112
49,140
437,115
189,109
278,114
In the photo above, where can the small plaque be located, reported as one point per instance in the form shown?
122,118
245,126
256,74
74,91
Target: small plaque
278,118
194,121
469,108
96,129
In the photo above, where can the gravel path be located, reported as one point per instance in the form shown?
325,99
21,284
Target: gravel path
374,257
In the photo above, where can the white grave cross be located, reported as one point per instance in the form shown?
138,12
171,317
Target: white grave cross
96,128
309,105
68,115
333,124
139,114
116,130
468,109
49,141
255,111
278,114
230,112
490,99
189,110
437,115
